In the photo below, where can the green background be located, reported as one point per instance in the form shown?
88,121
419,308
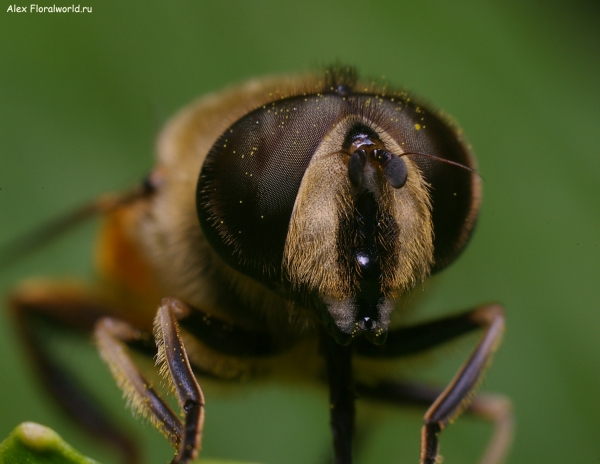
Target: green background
82,98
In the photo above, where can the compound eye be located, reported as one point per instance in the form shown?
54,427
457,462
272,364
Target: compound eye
251,176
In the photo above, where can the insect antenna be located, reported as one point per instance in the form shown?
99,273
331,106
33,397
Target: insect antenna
20,247
437,158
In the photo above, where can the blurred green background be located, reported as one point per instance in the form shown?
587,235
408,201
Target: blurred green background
82,97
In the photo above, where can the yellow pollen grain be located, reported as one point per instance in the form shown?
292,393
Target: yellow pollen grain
418,126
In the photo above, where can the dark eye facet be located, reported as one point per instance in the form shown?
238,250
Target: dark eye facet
251,176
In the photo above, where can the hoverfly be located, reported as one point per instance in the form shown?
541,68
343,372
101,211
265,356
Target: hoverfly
279,233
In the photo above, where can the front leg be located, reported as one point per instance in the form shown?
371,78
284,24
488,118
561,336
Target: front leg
494,408
458,395
113,335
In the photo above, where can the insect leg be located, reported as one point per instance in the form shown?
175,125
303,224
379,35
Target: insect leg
456,397
173,355
112,335
28,243
341,396
494,408
73,307
499,410
458,393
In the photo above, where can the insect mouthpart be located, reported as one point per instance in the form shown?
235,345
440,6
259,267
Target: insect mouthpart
350,319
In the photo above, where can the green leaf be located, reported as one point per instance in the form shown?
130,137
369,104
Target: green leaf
32,443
